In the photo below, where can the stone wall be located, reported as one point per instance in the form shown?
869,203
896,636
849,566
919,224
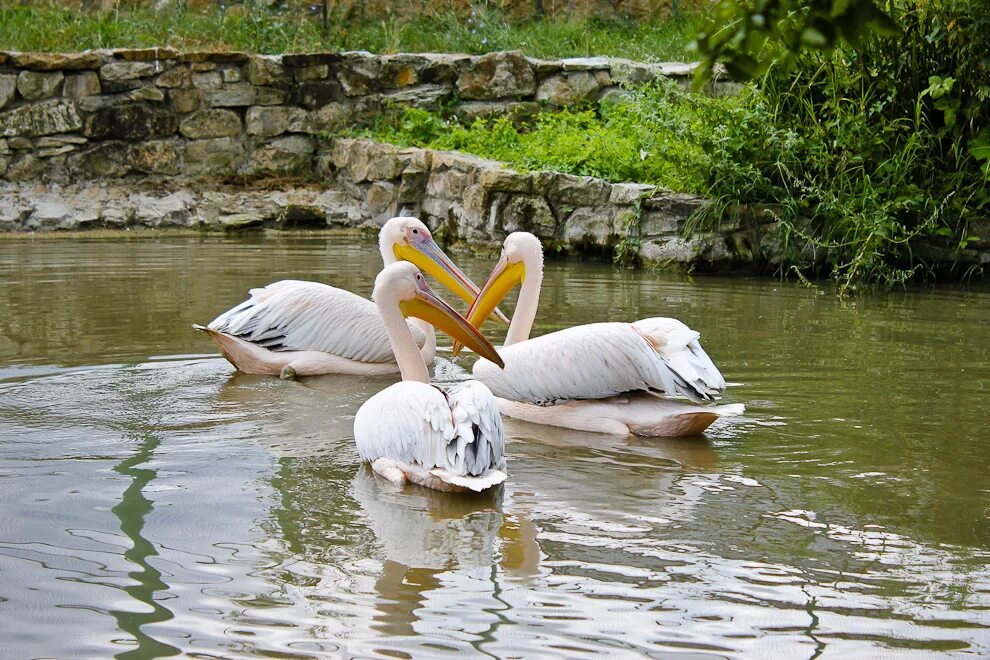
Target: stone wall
69,117
465,199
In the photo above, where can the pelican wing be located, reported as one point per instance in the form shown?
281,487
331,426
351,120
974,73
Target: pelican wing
600,360
291,315
411,422
478,445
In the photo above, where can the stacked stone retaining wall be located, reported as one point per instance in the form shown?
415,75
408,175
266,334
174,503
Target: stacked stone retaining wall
68,117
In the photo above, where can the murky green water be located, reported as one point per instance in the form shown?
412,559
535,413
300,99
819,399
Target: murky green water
153,503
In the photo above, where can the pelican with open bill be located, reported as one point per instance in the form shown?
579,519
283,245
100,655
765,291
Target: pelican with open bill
603,377
293,328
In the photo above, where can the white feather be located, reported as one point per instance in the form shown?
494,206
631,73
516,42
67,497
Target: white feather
458,436
601,360
292,315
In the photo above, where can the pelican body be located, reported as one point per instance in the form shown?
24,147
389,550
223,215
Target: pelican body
293,328
602,377
412,431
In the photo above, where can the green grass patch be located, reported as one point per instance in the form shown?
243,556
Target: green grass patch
855,191
654,136
258,29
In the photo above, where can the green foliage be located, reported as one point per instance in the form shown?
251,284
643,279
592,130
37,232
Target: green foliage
263,29
751,35
869,151
651,137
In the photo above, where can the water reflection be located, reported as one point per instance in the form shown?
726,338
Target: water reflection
131,511
846,512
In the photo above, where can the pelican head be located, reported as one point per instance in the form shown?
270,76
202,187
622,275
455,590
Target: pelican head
403,284
410,239
522,254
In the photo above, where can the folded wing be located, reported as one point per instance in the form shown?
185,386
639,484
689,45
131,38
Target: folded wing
292,315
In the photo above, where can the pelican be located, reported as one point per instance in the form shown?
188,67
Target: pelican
292,328
413,431
600,377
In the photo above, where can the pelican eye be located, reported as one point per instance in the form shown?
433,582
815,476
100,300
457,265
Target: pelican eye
415,231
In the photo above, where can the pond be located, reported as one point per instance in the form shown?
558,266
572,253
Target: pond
153,502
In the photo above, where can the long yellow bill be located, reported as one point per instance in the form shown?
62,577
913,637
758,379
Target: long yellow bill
429,307
503,278
430,258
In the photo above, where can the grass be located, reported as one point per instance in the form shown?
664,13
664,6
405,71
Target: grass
655,136
855,193
52,27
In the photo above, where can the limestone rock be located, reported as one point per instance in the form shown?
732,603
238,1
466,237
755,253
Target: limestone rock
665,213
232,95
629,72
584,63
174,210
380,196
46,118
155,157
330,118
312,72
215,157
497,76
576,190
209,82
8,89
590,225
272,121
426,97
50,215
38,85
120,71
231,75
266,70
358,73
57,61
504,180
211,124
109,159
81,85
318,93
569,88
630,193
397,74
145,54
447,183
25,168
177,77
185,100
528,213
131,121
269,96
288,155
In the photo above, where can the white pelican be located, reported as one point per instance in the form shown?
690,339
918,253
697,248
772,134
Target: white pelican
413,431
292,328
598,377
